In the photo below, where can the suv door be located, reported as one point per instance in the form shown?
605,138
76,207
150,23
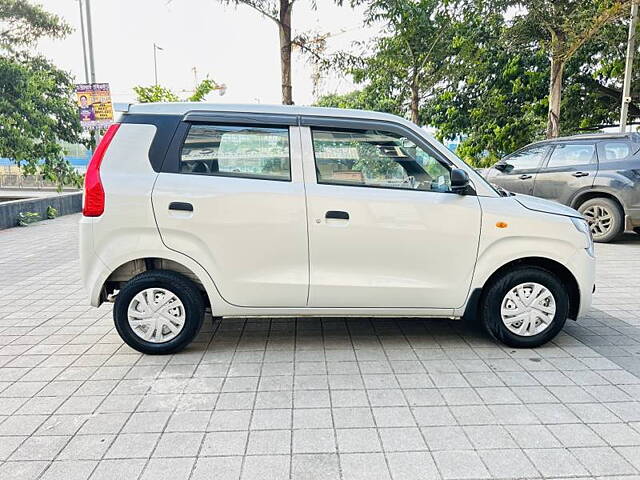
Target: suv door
517,171
571,167
231,196
384,228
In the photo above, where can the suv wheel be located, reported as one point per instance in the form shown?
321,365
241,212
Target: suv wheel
158,312
605,218
526,307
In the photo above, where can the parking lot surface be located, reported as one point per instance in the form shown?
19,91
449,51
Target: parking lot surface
309,398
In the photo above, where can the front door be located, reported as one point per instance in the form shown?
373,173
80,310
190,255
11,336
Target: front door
234,202
571,167
517,172
384,228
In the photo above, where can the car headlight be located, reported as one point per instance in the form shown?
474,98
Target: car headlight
583,226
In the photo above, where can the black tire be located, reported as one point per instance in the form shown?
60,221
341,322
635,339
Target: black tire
491,302
637,230
182,287
617,218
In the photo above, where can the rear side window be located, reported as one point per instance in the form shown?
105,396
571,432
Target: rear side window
569,154
614,151
237,151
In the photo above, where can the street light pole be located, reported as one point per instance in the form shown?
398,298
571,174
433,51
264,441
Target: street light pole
84,43
92,68
155,60
631,48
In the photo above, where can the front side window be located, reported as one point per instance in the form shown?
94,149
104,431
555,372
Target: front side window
376,159
570,154
526,159
237,151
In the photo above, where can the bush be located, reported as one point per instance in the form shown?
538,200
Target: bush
27,218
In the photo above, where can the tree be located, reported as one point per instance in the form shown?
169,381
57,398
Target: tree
365,99
562,27
410,58
157,93
37,110
279,11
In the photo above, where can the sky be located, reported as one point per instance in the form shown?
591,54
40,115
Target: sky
231,45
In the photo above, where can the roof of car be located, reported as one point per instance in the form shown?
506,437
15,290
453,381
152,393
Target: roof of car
587,136
182,108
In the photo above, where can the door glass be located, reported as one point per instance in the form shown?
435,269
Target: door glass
614,151
526,159
376,159
569,154
237,151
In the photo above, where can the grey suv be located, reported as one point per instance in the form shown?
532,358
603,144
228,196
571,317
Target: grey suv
597,174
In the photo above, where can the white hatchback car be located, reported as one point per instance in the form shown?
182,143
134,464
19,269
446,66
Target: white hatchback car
278,211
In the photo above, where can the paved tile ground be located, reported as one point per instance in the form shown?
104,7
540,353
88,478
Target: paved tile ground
308,399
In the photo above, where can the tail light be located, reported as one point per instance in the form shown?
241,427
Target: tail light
93,191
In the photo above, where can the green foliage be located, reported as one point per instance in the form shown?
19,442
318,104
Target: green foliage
157,93
51,212
37,110
365,99
27,218
154,93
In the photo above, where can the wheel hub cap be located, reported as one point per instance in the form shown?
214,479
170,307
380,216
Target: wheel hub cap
528,309
599,218
156,315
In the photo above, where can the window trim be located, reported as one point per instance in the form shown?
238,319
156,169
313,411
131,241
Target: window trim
187,129
350,125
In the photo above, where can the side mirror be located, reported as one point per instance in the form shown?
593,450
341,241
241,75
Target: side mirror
501,167
459,181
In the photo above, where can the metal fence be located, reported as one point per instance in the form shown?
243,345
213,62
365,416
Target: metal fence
31,182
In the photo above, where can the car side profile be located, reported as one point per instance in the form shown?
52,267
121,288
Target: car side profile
597,174
275,211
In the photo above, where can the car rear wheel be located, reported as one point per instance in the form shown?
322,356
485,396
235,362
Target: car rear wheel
525,307
605,218
158,312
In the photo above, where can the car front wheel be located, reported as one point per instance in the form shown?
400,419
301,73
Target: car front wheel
158,312
605,218
525,307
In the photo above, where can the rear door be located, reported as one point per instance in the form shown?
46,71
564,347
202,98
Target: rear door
517,171
231,196
570,168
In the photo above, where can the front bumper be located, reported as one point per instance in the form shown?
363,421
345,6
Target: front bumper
583,267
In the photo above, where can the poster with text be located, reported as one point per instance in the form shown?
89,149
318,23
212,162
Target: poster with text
94,105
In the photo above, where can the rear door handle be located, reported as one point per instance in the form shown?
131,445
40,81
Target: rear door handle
184,206
524,177
580,174
337,214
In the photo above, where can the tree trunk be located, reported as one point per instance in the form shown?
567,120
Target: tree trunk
285,50
555,95
415,101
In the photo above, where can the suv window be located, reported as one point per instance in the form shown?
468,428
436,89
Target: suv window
569,154
237,151
614,151
376,159
525,159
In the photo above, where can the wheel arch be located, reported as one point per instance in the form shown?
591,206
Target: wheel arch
471,309
129,269
591,194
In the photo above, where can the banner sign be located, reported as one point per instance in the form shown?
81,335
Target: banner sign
94,105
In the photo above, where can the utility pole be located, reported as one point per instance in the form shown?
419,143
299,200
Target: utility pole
631,50
92,67
84,43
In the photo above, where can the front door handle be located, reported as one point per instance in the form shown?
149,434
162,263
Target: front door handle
525,177
337,214
184,206
580,174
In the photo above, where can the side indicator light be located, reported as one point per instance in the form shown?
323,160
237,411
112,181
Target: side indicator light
502,224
